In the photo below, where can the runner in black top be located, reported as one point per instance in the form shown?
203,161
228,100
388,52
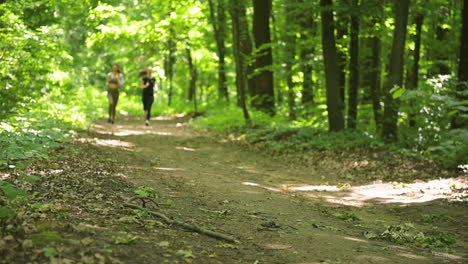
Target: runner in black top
148,86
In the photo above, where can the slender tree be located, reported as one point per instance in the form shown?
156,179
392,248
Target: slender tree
342,23
264,94
332,70
241,51
306,53
462,88
395,75
353,67
218,21
375,73
290,55
413,74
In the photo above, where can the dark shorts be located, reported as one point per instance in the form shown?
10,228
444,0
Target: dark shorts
147,102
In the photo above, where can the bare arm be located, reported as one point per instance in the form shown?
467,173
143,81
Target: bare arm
143,85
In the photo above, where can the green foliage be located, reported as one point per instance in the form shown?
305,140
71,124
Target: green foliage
30,137
284,139
45,237
433,105
125,240
346,216
15,197
227,120
145,191
407,233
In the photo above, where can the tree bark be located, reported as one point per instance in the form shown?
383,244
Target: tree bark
264,94
462,87
237,10
375,81
218,21
306,52
341,31
414,73
170,60
334,102
192,92
353,68
290,52
395,76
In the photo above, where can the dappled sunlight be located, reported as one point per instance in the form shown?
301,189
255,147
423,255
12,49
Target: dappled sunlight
277,246
168,118
121,132
411,256
108,143
262,186
169,169
356,239
453,189
186,149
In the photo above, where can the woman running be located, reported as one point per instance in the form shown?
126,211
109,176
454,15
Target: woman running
115,81
148,86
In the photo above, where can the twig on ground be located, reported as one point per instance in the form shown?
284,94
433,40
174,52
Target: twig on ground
186,226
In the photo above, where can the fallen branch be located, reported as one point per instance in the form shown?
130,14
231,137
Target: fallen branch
186,226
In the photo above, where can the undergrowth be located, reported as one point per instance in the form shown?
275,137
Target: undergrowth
283,136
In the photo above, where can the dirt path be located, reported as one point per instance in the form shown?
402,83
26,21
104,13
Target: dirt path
281,212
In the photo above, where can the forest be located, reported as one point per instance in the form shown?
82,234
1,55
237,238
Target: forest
272,121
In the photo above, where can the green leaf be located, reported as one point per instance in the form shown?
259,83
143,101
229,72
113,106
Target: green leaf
49,252
45,237
6,211
185,253
398,93
30,178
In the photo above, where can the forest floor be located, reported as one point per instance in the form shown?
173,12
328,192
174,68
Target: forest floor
346,207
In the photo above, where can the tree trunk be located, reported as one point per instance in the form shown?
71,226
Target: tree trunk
341,31
306,52
457,121
330,56
290,54
237,10
375,79
218,21
414,73
395,76
170,60
353,68
306,68
264,94
192,92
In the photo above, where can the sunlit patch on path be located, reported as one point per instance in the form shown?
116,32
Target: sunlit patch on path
454,189
108,143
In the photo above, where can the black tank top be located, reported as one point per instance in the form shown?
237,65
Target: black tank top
149,91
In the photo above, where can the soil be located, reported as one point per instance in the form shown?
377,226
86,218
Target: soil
317,208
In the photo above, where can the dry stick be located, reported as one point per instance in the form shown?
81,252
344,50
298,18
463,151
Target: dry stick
189,227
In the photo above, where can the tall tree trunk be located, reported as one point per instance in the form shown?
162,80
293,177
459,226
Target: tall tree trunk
306,52
170,60
218,21
353,68
264,95
241,50
375,73
395,76
414,73
192,92
341,31
458,121
290,54
330,56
